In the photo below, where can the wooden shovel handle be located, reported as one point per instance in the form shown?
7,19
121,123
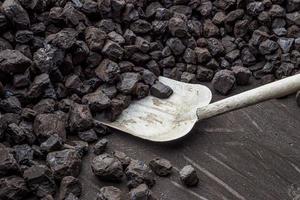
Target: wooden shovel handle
273,90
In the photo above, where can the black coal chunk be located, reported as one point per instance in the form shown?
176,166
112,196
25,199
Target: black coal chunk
100,146
178,27
16,14
224,81
69,185
268,46
140,26
40,180
10,105
108,71
39,86
107,167
53,143
13,188
13,62
204,74
45,106
123,158
80,118
141,192
64,39
88,136
128,82
43,126
242,75
137,172
160,166
161,90
176,46
64,163
24,154
47,59
16,134
8,164
113,50
109,193
188,176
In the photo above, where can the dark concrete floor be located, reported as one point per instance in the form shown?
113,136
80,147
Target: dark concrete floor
252,154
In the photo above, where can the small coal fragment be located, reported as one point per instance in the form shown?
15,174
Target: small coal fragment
176,46
108,71
100,146
224,81
39,86
113,50
215,47
53,143
149,77
141,192
64,39
8,164
40,181
80,146
24,154
13,188
109,193
187,77
88,136
107,167
160,166
284,70
97,101
69,185
64,163
161,90
45,106
204,74
15,134
80,118
43,126
128,82
47,59
117,106
16,14
188,176
140,26
242,75
13,62
141,90
268,47
123,158
11,105
202,55
137,173
178,27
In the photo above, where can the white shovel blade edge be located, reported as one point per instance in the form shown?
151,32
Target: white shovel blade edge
163,120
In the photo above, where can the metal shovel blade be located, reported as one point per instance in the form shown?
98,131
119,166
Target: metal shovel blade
163,120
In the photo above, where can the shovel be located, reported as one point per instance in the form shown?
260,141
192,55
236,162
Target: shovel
163,120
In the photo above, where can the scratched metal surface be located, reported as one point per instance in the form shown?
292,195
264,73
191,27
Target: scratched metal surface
251,154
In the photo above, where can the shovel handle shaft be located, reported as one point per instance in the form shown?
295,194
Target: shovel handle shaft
269,91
